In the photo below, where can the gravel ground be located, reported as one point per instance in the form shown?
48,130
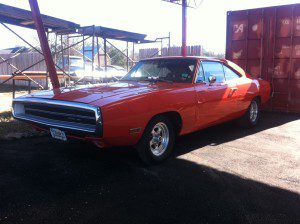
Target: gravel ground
9,127
219,175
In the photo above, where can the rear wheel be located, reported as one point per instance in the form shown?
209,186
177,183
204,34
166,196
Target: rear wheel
251,117
157,141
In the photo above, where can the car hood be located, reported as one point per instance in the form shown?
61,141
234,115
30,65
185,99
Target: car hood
104,92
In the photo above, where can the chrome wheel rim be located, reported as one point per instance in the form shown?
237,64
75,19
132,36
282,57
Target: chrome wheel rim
159,139
253,111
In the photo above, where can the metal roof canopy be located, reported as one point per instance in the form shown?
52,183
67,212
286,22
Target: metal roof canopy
21,17
42,23
115,34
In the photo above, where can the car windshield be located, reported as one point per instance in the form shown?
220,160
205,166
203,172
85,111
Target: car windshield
171,70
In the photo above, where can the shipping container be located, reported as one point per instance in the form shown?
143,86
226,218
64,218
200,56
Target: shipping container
266,43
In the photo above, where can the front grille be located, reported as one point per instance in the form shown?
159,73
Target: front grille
61,114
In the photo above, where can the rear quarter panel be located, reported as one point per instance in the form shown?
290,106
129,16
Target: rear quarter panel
264,91
250,88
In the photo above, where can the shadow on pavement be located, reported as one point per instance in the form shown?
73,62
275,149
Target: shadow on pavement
42,182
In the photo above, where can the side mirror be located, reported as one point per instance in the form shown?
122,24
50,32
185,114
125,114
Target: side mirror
212,79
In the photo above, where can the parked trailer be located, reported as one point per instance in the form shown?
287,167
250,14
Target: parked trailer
266,43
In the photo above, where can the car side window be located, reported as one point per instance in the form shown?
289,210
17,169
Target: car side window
230,74
200,77
212,68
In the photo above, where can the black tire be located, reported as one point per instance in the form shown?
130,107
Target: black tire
145,153
248,121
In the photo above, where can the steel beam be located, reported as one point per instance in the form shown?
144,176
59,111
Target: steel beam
184,18
36,15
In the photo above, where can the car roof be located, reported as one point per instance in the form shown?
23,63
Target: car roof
186,57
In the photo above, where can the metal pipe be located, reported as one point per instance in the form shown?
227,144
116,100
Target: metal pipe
118,49
127,60
36,15
93,49
13,88
42,52
69,63
133,45
62,52
169,44
21,38
18,71
161,47
93,54
83,51
55,59
29,86
105,55
98,52
184,19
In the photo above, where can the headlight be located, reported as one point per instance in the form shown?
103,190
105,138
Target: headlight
17,109
99,126
98,116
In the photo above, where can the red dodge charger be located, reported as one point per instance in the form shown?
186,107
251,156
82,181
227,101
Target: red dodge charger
159,99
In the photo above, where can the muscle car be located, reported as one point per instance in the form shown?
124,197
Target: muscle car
158,100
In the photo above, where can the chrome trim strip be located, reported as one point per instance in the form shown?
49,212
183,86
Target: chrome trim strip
98,119
59,113
50,123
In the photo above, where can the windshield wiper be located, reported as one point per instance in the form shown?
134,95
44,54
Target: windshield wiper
158,79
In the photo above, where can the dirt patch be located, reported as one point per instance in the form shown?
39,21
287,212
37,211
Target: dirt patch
9,127
13,129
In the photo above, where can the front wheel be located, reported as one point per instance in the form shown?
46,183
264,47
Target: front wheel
251,117
157,141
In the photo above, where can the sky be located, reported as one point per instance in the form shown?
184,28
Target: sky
156,18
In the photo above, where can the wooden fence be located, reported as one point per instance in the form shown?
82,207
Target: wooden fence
172,51
23,61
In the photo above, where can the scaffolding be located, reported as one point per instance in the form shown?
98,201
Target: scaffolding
63,32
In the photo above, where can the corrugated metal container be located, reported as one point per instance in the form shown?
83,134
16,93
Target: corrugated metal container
266,43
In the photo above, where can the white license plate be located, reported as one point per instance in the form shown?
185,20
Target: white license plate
58,134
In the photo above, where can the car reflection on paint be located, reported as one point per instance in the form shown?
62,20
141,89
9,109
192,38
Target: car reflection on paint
81,71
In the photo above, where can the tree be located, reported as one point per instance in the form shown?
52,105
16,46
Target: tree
116,57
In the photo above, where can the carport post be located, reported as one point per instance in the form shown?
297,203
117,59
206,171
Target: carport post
169,44
36,15
105,55
127,55
98,52
184,17
13,88
29,86
132,62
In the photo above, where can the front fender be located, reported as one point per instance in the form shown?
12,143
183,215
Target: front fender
125,121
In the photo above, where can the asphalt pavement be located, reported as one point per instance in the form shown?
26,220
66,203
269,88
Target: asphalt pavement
223,174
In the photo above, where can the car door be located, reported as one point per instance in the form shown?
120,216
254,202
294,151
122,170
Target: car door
214,102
